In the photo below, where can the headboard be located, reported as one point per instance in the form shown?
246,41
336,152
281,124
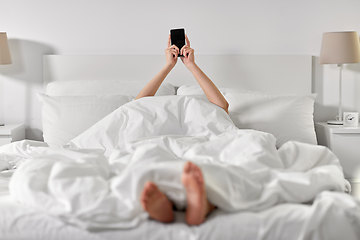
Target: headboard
267,73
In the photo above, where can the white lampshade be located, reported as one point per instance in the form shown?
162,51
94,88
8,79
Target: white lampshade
340,47
5,57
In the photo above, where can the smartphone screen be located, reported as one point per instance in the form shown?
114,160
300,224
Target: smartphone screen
178,38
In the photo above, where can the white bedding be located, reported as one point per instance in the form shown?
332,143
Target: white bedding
283,221
95,182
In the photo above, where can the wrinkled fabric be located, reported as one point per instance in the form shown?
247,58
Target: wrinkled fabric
149,117
96,181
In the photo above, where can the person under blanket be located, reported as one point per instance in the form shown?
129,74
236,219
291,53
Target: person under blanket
152,199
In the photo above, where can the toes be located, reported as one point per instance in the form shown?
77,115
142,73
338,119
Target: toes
187,167
198,175
148,191
194,170
149,184
191,168
192,177
148,194
150,188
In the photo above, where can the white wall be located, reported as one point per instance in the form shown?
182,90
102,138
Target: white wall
41,27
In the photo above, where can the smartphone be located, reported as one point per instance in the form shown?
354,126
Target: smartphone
178,37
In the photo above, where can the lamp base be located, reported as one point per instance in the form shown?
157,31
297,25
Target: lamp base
334,122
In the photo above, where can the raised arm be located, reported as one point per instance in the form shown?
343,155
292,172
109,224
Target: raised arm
211,91
171,53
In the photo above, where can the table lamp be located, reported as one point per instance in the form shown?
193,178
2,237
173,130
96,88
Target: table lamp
5,57
339,48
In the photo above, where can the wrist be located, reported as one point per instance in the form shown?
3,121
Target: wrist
169,66
191,66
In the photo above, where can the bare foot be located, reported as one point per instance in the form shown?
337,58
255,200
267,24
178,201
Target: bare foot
156,203
197,204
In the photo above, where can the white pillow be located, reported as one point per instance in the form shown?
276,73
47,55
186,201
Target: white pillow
287,117
103,87
197,90
65,117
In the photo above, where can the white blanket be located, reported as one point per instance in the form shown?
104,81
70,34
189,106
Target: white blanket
96,182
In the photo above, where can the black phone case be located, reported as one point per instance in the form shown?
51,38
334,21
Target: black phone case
178,38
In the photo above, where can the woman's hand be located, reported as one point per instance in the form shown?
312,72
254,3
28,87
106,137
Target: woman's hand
188,53
211,91
171,53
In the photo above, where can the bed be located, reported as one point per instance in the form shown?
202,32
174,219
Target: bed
100,147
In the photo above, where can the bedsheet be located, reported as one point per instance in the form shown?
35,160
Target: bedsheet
95,182
333,215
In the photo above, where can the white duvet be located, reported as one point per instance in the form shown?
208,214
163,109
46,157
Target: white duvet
96,181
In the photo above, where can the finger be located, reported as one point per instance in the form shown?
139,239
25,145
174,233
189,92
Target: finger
187,40
187,50
169,41
190,54
183,49
173,51
174,47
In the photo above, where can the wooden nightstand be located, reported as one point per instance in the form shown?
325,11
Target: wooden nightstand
11,133
345,143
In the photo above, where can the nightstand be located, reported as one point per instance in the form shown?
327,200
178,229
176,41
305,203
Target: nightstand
11,133
345,143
